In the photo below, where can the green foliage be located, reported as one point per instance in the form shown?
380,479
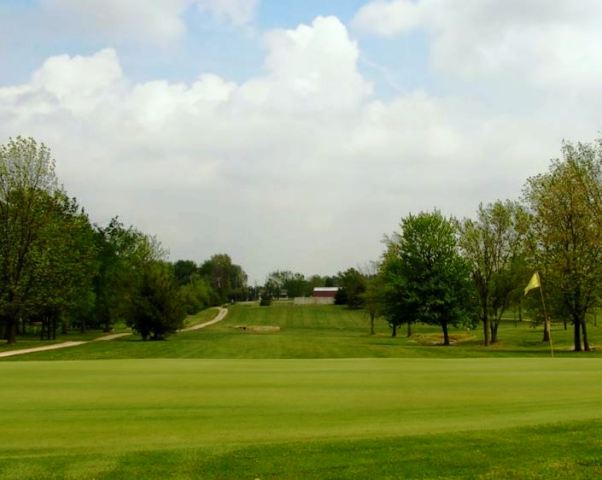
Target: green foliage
228,280
566,204
373,298
47,255
294,284
268,292
124,254
494,246
428,273
196,295
353,286
185,271
156,307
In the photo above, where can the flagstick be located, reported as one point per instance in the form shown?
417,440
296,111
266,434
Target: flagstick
546,319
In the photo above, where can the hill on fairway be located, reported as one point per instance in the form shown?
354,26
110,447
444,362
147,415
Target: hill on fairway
321,332
280,417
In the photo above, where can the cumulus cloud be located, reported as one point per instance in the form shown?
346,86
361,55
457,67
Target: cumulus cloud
300,167
550,44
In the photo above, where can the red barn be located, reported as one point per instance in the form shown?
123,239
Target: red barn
325,292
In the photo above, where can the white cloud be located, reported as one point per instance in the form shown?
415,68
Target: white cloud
300,167
389,17
549,44
156,21
238,12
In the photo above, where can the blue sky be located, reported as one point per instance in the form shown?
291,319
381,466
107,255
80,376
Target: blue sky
295,134
208,46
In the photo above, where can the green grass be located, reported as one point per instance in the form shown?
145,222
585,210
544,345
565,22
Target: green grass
201,317
299,418
319,399
32,340
323,332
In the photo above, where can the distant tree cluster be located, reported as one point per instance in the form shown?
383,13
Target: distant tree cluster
288,284
213,282
58,270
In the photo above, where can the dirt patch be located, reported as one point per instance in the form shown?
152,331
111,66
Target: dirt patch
258,328
437,338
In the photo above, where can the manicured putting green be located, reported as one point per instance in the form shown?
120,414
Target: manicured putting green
100,412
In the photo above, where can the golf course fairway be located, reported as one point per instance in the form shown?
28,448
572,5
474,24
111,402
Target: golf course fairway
110,419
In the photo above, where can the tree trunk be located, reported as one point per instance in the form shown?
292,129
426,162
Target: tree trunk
586,346
520,311
445,334
485,330
546,330
371,324
11,331
577,335
494,327
409,334
394,330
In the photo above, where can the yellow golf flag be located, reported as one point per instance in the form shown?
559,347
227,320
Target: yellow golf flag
533,283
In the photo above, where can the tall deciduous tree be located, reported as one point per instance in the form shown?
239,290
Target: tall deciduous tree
123,252
494,244
434,280
227,279
566,203
27,181
373,298
293,283
66,262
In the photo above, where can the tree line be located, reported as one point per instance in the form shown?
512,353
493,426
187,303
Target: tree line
445,271
58,270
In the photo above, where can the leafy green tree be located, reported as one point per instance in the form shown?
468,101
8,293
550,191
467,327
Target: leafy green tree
494,246
268,292
293,283
566,204
156,307
373,298
434,280
396,306
197,295
122,254
227,279
185,271
27,182
353,285
65,259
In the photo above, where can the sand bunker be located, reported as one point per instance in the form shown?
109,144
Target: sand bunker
258,328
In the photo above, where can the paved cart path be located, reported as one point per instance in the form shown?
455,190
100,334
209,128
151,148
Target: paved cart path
220,316
56,346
